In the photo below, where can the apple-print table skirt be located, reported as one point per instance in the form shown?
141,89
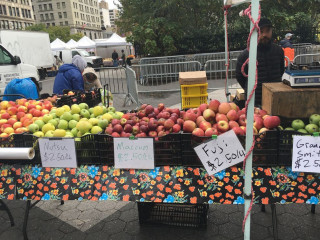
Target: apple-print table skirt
163,184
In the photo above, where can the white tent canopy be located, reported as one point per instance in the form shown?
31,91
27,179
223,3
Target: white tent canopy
72,44
114,40
234,2
86,43
58,45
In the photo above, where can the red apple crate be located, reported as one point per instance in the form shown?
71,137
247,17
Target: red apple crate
174,214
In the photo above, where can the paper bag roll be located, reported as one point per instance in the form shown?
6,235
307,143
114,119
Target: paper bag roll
16,153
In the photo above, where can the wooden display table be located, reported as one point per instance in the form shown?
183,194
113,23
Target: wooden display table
282,100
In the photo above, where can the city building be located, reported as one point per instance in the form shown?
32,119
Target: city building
104,15
16,14
114,16
81,16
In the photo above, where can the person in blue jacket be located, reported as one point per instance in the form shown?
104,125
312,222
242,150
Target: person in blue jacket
70,76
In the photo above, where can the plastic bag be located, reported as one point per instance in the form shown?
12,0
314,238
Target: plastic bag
25,87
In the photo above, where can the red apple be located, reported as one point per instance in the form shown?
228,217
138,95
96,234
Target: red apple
232,115
12,110
262,112
117,128
141,135
115,134
189,126
165,115
30,106
149,109
11,121
37,113
161,121
271,122
168,124
214,105
262,130
141,114
223,126
144,128
123,121
160,128
203,107
198,132
161,134
243,120
152,125
115,122
224,108
20,130
135,130
126,116
176,111
211,131
160,107
22,109
255,131
234,106
153,134
3,121
180,122
221,117
233,124
204,125
108,130
176,128
209,115
143,106
258,123
238,131
5,116
128,128
199,120
190,116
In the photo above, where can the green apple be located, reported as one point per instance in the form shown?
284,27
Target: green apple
74,131
103,123
79,134
96,130
48,127
84,126
75,109
69,134
302,131
49,133
40,123
67,116
94,121
92,116
53,111
78,139
85,113
83,119
312,128
315,119
60,111
111,109
72,124
39,134
33,128
54,122
63,124
120,114
97,111
47,117
289,129
91,110
107,116
116,116
54,115
59,133
83,106
76,117
104,109
297,124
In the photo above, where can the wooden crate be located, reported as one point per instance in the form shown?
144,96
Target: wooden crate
282,100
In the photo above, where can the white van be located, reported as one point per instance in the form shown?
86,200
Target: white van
11,67
67,55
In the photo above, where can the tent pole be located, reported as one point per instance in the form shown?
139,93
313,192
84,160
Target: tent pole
250,111
226,55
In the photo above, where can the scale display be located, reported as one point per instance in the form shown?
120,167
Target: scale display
302,78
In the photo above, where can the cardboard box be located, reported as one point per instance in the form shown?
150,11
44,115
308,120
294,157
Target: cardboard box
282,100
232,97
240,94
189,78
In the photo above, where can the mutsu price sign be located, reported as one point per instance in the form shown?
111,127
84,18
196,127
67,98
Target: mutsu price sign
306,154
58,153
221,153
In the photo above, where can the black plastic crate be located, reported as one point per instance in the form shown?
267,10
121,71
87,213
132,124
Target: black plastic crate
105,146
175,214
87,150
286,146
167,150
23,141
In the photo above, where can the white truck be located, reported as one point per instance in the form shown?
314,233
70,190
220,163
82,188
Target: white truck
11,67
67,55
32,47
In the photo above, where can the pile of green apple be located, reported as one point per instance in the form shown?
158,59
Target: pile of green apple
76,121
310,128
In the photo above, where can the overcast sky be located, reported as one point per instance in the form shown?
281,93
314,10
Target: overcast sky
110,3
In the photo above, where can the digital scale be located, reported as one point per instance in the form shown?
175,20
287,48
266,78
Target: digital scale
302,78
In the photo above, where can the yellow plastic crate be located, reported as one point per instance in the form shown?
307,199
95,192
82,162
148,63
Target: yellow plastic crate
194,101
194,90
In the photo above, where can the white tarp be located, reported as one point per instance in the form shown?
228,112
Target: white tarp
58,45
114,40
72,44
86,43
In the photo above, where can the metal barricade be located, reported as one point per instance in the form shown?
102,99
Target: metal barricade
164,73
216,69
115,77
306,59
204,57
166,59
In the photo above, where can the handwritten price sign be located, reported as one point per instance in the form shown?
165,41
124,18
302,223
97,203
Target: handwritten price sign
306,154
221,153
58,153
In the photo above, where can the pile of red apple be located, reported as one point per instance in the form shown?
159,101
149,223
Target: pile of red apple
15,117
209,119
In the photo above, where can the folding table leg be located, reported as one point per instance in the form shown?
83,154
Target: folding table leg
25,221
313,208
5,207
274,221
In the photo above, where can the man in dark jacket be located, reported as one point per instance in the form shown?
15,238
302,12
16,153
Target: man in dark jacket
70,76
115,57
270,61
286,43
